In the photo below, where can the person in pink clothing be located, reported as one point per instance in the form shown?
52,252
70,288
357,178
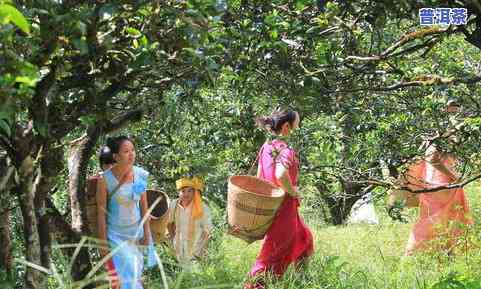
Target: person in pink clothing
444,214
288,240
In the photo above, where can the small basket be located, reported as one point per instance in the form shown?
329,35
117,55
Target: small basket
159,215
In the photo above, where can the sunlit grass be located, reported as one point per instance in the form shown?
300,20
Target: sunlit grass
354,256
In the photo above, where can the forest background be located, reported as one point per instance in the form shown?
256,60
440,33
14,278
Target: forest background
186,79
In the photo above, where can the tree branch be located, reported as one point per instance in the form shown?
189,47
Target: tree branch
427,80
446,187
409,37
121,120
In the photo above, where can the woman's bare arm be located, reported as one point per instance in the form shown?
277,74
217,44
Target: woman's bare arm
284,181
144,207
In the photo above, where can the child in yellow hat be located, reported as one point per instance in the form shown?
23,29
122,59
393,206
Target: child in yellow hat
189,223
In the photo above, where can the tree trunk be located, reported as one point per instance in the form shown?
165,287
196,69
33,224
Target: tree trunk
6,259
66,235
25,192
51,165
6,173
80,152
339,205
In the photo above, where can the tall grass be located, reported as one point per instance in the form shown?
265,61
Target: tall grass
354,256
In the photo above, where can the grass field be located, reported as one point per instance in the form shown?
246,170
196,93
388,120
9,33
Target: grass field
350,256
353,256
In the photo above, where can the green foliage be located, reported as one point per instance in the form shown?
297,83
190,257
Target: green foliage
9,13
456,281
354,257
370,84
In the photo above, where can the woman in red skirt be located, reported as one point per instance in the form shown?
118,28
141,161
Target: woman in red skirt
288,240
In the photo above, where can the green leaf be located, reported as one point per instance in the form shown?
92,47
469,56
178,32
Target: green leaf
274,34
27,74
82,27
41,129
212,65
245,23
8,13
4,114
88,120
132,31
5,128
81,44
27,80
300,4
144,41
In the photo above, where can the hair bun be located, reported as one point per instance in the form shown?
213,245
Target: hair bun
110,142
106,156
265,122
105,150
274,122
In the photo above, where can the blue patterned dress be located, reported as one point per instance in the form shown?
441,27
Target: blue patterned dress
125,230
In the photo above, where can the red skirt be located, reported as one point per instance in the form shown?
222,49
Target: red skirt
287,241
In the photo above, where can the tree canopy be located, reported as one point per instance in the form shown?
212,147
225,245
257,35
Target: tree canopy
187,79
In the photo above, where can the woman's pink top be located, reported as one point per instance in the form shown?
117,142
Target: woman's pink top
275,152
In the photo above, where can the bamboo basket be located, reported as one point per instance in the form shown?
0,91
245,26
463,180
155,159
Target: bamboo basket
252,204
411,200
413,179
91,205
159,215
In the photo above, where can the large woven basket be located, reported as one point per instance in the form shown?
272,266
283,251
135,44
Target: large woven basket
413,179
159,214
411,200
252,204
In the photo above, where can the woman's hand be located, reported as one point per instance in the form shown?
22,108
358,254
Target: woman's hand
103,252
145,241
144,206
204,239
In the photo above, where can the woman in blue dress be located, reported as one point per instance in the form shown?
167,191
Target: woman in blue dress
121,206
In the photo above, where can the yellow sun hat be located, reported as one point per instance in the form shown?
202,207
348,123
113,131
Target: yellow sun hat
198,185
194,182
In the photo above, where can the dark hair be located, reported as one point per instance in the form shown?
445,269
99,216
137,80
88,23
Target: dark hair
453,102
105,156
114,143
274,122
